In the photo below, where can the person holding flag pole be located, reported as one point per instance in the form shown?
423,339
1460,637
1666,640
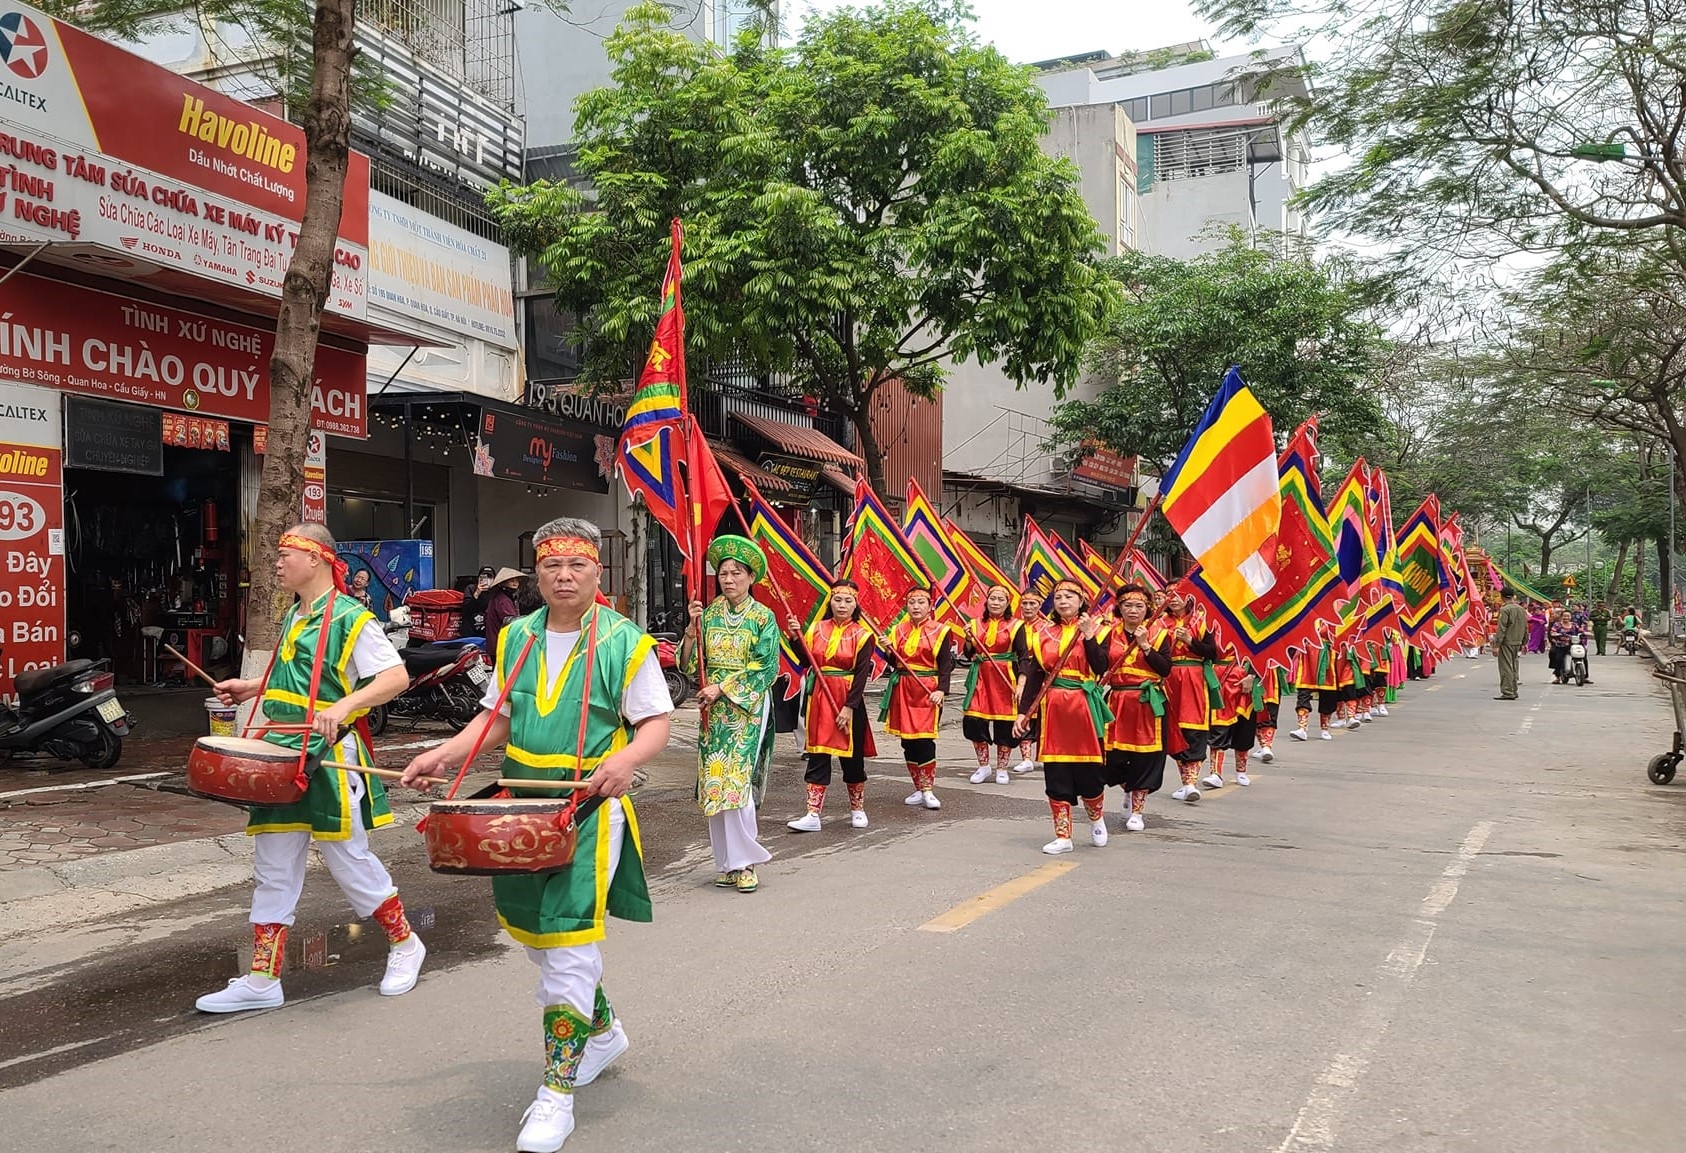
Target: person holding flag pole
839,649
912,709
1135,682
991,700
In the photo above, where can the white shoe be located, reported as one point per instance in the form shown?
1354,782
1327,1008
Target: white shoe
546,1123
915,798
929,799
1381,710
981,775
1241,779
1325,735
601,1052
1097,834
1024,766
1366,717
1135,824
1001,777
238,996
1213,781
1336,723
857,818
806,823
403,966
1267,755
1059,845
1300,735
1187,793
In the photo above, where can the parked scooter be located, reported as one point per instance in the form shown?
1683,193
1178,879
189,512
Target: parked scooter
446,681
679,685
69,711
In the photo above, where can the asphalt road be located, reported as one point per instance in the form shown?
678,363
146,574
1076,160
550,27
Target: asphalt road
1458,929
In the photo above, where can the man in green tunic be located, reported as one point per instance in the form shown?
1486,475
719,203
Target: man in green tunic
1508,639
329,640
586,702
740,660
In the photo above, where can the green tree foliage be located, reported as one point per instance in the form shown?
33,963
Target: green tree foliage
866,206
1297,328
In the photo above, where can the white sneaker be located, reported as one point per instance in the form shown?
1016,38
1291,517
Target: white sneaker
857,818
915,798
546,1123
1241,779
1366,717
981,775
1059,845
1336,723
1381,710
403,966
1212,781
238,996
1097,834
1325,735
806,823
1001,777
929,800
1187,793
1024,766
1135,824
1300,735
1267,755
601,1052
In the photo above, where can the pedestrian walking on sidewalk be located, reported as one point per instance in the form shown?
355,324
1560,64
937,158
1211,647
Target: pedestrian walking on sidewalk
740,660
1511,636
332,664
589,700
1600,617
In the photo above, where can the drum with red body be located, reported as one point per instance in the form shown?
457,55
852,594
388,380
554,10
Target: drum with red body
245,772
491,836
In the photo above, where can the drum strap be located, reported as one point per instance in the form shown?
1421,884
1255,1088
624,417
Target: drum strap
301,779
566,816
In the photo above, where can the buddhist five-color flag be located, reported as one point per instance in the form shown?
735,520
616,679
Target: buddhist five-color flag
1222,494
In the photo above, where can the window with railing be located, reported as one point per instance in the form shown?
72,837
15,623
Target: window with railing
1197,153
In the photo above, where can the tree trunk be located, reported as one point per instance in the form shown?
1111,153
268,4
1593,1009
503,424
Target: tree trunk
1639,575
869,450
1665,575
304,294
1545,555
1616,575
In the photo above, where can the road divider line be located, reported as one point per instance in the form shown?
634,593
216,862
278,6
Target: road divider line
1229,787
1314,1128
1434,688
999,897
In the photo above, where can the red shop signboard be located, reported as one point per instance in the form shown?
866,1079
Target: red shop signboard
66,337
31,532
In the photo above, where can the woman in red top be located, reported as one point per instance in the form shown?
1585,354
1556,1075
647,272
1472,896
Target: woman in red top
1030,612
991,700
1138,660
838,652
1073,713
1189,709
921,655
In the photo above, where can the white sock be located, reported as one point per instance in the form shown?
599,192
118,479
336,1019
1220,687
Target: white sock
261,983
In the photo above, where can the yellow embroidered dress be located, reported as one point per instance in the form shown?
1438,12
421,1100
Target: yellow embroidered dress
741,656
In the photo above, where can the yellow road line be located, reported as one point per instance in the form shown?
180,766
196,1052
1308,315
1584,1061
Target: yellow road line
1229,787
1433,688
1002,895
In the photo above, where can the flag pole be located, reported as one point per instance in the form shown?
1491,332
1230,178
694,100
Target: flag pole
1106,594
965,621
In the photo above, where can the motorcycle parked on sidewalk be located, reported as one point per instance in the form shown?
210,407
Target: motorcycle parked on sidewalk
69,712
446,682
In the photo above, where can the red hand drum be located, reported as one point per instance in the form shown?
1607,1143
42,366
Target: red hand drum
495,836
244,772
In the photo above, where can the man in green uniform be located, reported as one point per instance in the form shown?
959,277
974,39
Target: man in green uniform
1510,636
587,701
330,643
1600,624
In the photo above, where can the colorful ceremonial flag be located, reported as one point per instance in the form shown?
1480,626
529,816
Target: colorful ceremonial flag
794,571
1302,447
923,528
1042,564
1355,546
985,572
1454,621
1137,569
880,560
1308,590
1418,567
1073,560
1223,494
652,443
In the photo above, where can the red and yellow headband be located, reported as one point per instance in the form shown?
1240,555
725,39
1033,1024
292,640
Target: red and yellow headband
320,551
560,546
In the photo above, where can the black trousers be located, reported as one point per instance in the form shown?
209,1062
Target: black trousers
987,732
1238,736
1135,770
818,771
1198,741
1069,781
1327,699
919,750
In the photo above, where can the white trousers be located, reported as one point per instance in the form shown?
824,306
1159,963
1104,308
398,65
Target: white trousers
732,836
570,975
279,861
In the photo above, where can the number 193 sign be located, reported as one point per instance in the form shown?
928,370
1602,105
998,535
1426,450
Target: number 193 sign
31,531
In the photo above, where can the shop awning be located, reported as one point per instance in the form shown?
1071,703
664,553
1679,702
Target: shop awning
839,480
769,484
799,440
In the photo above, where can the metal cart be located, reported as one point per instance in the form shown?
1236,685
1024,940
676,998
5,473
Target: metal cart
1662,766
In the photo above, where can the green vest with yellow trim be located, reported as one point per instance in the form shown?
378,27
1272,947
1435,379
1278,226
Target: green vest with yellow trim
325,812
555,910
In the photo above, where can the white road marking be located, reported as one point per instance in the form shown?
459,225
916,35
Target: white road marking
1314,1128
69,788
1459,676
1528,721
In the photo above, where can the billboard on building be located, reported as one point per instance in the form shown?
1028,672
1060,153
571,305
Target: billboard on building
432,272
150,176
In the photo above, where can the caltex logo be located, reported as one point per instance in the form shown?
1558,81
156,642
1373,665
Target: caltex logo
22,46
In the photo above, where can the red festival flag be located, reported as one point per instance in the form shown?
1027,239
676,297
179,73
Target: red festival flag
652,444
794,571
880,560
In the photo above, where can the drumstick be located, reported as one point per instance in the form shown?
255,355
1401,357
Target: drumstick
514,783
389,774
192,668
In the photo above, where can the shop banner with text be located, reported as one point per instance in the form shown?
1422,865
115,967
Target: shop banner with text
31,532
62,336
102,147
